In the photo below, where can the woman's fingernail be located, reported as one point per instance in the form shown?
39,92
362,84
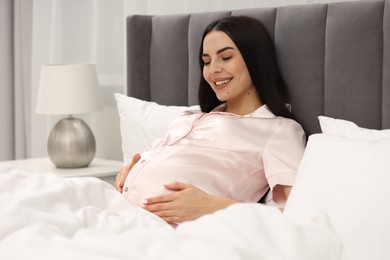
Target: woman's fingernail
144,202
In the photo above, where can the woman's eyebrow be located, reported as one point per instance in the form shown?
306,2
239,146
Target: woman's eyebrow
219,51
224,49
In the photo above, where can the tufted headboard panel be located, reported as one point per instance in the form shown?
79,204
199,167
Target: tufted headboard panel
335,58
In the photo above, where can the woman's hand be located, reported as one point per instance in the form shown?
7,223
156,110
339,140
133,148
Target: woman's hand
124,171
185,203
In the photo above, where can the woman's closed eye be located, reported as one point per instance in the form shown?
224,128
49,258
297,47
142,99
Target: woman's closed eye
226,58
207,62
206,59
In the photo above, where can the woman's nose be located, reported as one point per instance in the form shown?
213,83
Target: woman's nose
216,67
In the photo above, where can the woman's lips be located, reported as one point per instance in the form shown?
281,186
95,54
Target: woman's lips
221,84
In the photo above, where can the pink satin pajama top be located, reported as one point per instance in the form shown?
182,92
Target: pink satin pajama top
238,157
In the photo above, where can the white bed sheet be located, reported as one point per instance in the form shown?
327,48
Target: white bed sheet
46,217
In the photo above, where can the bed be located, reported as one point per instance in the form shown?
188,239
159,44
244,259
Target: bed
335,59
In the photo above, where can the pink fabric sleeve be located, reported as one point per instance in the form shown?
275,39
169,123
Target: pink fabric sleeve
282,155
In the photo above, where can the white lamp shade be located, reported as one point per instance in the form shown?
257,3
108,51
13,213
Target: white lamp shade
67,89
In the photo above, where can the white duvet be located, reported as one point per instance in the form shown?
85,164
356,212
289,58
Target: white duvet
45,217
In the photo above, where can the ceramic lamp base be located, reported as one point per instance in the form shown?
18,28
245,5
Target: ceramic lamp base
71,144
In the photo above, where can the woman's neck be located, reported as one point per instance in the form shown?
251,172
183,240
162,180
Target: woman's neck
242,110
244,103
243,106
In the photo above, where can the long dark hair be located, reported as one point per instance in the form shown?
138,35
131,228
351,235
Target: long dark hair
258,52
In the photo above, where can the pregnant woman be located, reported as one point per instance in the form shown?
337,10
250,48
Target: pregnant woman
242,143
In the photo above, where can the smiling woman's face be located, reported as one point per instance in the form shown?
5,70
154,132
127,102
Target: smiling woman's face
225,70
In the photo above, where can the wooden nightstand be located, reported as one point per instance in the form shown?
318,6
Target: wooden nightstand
101,168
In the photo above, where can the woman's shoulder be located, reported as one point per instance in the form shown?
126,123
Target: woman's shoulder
289,128
265,112
280,124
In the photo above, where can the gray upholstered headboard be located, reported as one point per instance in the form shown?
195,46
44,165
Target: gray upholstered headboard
335,58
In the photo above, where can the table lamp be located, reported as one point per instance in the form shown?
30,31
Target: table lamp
68,89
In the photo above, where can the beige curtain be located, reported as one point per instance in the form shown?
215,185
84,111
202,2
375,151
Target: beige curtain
15,67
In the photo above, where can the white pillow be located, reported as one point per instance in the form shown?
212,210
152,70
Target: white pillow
142,122
349,180
349,129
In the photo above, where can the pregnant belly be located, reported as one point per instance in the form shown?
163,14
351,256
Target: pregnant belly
213,171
